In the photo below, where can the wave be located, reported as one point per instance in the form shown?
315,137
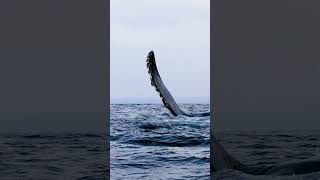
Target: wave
175,141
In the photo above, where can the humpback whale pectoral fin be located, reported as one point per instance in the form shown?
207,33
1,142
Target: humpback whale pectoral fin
163,92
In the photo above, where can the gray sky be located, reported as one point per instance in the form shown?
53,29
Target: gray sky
179,33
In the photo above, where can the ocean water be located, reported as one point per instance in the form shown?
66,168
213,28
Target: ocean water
147,142
269,148
53,156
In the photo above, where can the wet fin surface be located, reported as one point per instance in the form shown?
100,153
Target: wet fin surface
163,92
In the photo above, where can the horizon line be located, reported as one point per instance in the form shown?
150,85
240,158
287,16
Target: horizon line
153,100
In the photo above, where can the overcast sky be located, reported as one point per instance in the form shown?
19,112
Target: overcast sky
179,33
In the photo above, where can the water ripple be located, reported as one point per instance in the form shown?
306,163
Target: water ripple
147,142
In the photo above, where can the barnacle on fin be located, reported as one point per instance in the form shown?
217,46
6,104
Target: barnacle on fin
150,64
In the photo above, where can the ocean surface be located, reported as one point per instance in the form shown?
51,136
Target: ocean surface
53,156
266,148
147,142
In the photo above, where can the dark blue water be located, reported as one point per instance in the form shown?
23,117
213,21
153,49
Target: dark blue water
271,148
147,142
53,156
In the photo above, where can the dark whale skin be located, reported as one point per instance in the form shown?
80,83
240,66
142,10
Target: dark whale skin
163,92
